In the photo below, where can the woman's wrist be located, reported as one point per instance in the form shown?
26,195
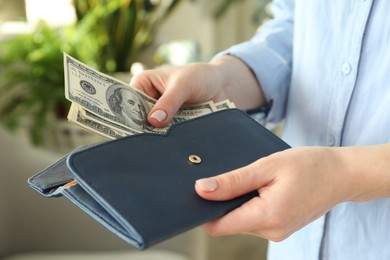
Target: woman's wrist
367,170
238,82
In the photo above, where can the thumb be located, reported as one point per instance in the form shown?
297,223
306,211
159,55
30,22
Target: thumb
230,185
166,107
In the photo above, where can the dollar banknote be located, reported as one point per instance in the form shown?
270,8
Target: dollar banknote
101,103
114,100
226,104
75,117
110,130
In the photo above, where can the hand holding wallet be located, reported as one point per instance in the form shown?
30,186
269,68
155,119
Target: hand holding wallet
141,187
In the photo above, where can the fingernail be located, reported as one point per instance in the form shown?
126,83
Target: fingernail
208,184
159,115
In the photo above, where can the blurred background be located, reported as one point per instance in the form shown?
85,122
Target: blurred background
120,38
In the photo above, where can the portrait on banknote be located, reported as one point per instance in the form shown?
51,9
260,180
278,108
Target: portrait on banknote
128,105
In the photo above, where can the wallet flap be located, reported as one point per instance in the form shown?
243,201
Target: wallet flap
147,181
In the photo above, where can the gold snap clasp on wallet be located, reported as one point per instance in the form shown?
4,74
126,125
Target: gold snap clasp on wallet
194,159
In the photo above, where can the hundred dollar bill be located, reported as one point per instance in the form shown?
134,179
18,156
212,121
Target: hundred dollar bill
118,128
187,114
100,126
225,104
91,116
75,117
114,100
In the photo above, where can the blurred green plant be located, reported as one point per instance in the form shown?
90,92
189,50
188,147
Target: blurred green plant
31,79
123,28
108,36
32,75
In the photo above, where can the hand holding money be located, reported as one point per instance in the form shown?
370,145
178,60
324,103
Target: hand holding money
112,108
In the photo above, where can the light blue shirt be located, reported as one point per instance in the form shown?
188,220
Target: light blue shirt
326,66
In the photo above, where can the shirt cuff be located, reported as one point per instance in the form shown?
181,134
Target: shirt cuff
271,70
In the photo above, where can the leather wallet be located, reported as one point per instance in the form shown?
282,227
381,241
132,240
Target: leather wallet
141,187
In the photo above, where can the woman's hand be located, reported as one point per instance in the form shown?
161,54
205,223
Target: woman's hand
296,186
223,78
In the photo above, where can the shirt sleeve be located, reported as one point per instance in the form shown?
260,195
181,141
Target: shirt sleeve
269,55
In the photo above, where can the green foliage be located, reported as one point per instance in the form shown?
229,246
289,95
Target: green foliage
123,27
108,36
32,74
31,78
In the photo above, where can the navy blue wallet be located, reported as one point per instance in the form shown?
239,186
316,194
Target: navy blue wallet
141,187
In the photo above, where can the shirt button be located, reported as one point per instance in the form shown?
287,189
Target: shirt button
330,140
346,68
